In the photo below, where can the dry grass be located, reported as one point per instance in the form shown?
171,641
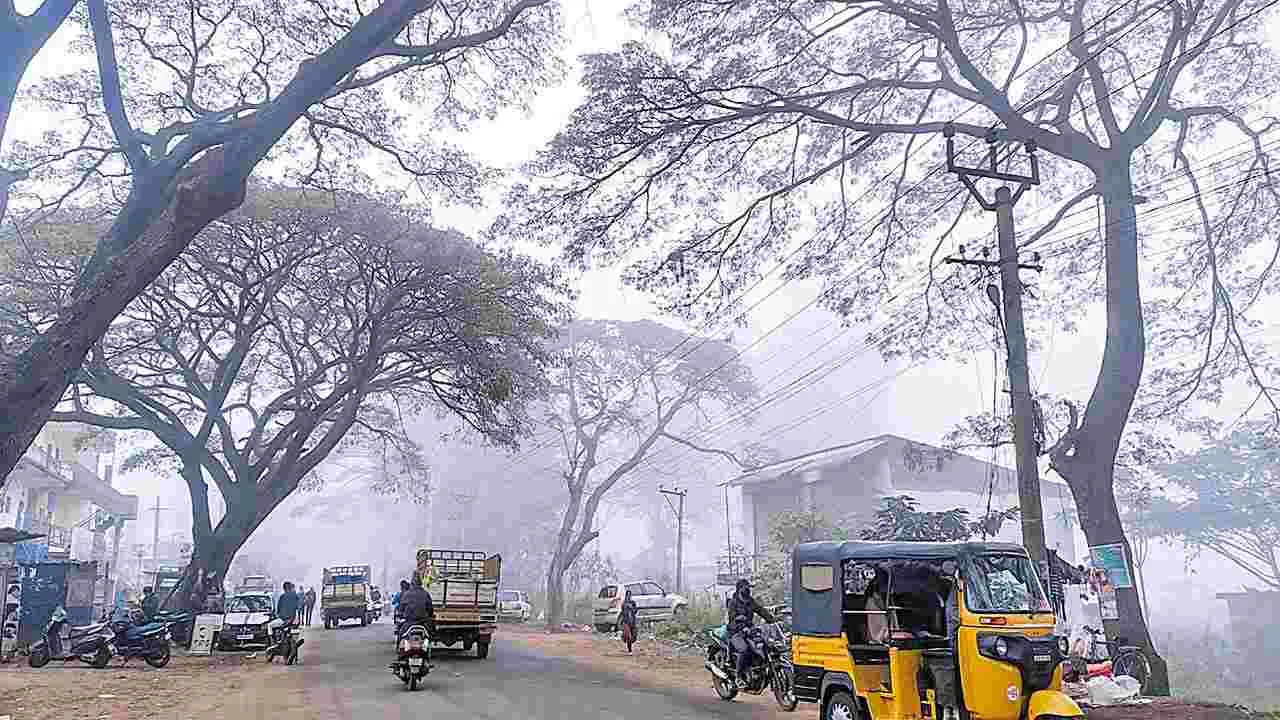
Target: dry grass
217,686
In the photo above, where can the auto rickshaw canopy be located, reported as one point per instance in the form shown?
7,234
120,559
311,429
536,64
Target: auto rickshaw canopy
817,596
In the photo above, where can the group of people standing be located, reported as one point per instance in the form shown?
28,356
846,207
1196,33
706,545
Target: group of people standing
295,605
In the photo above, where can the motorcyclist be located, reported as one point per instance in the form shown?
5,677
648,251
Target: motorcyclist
416,607
742,609
150,603
395,599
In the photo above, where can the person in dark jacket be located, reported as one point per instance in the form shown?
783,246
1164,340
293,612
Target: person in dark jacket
742,611
416,606
630,611
288,604
150,603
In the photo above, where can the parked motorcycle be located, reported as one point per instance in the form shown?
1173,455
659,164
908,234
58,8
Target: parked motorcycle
91,644
413,656
770,670
137,638
180,623
286,639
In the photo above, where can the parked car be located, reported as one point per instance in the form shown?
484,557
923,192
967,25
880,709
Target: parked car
513,605
652,603
244,624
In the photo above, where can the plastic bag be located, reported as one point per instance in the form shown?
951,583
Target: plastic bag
1106,691
1130,685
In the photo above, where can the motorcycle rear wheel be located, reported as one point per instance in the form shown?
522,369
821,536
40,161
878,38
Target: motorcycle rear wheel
413,681
101,658
159,658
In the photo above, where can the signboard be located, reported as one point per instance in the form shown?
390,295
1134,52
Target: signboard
202,633
1112,560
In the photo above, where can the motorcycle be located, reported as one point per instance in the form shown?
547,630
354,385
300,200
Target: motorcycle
771,668
413,656
91,644
135,637
180,624
286,639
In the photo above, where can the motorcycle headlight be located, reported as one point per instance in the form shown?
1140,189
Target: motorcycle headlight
1001,647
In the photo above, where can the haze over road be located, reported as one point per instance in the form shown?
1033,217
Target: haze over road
346,677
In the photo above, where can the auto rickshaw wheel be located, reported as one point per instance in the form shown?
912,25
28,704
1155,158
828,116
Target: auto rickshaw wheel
840,706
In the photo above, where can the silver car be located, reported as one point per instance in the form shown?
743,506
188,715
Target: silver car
652,603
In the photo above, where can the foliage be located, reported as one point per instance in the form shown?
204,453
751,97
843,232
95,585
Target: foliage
619,389
1234,510
899,518
291,331
190,97
787,529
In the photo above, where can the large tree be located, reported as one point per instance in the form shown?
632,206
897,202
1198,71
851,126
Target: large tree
191,96
756,131
621,391
298,326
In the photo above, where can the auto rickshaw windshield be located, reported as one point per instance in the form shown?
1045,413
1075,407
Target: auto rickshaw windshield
1003,584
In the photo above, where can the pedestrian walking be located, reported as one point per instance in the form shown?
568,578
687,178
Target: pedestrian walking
310,601
628,620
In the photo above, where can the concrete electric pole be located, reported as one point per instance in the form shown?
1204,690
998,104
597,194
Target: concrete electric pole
1015,336
668,494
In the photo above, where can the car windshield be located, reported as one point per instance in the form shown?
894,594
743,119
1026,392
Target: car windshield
510,596
249,603
1003,584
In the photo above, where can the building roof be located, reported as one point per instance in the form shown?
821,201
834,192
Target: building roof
817,458
840,454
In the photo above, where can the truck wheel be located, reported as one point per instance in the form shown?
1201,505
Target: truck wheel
482,649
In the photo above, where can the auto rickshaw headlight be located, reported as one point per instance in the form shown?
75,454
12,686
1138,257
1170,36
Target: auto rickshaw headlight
1002,647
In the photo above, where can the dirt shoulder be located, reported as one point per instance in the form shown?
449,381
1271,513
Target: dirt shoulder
218,686
659,665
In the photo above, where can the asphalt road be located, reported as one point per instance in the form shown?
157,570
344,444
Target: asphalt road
345,676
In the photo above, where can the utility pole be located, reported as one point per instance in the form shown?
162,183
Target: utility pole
668,494
1015,337
155,535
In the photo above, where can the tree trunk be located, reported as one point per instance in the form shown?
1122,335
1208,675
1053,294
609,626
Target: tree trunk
555,593
1088,464
145,238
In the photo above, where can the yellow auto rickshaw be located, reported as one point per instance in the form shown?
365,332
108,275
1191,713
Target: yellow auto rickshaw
915,630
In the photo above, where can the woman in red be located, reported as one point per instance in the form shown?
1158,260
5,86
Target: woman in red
628,620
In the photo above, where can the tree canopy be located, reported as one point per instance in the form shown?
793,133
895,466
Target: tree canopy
1234,508
618,391
190,97
298,326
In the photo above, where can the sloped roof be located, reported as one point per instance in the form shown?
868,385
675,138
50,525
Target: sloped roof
818,458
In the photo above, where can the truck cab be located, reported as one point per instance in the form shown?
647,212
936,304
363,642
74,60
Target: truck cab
464,590
344,595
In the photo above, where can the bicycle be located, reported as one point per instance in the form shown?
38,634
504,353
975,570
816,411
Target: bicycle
1128,660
